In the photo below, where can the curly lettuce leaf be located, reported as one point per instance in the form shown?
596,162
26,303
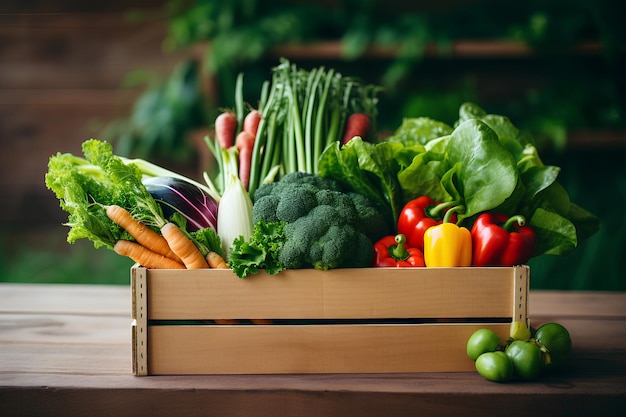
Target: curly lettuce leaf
420,130
369,169
260,252
86,186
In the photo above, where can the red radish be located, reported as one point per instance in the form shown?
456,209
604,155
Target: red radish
225,127
358,124
245,144
251,122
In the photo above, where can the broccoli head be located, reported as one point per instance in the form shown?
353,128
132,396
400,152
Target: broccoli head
371,219
325,228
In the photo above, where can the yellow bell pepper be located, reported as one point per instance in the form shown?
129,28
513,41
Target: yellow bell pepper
447,245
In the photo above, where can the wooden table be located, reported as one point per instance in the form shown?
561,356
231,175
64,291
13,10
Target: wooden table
65,350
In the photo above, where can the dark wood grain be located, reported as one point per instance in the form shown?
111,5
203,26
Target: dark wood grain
62,82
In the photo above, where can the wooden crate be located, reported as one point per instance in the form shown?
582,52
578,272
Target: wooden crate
368,320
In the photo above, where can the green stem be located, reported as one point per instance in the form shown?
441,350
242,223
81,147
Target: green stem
398,251
519,219
435,211
289,147
239,103
264,95
259,143
296,124
333,129
321,113
310,130
345,106
153,170
215,149
271,147
446,217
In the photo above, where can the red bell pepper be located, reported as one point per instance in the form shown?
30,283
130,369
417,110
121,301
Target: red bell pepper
420,214
391,251
499,240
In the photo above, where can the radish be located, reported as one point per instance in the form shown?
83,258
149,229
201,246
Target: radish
245,144
225,127
358,124
251,122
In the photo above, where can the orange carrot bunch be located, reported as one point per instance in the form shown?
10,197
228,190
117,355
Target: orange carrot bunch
171,249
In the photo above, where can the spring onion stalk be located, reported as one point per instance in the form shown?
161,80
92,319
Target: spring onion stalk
234,217
239,102
265,88
296,125
320,118
310,117
271,149
260,140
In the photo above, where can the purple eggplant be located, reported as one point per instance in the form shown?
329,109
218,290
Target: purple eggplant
176,195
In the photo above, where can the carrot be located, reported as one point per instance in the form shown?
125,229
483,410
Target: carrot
144,256
245,145
225,127
140,232
358,124
183,247
215,260
251,122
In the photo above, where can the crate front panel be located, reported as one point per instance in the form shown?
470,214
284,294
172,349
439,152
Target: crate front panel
346,293
340,321
281,349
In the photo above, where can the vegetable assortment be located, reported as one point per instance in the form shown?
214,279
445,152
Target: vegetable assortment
482,165
303,182
109,204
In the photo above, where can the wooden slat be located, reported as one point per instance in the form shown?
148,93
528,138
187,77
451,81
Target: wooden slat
311,349
521,288
347,293
139,327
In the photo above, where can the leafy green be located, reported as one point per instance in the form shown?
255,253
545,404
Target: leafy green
420,130
85,186
369,169
260,251
485,173
484,163
560,225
